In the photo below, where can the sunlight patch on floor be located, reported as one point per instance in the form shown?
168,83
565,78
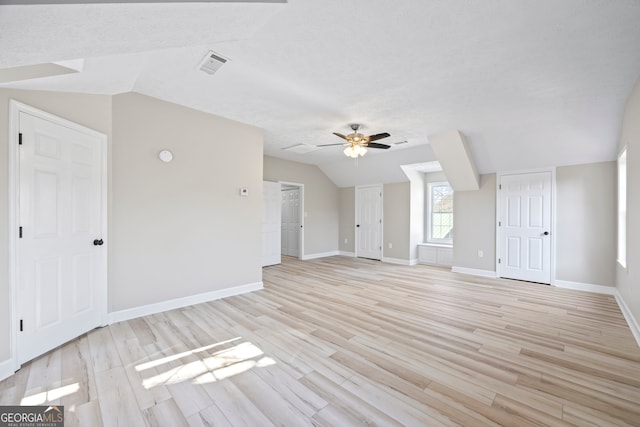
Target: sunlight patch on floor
50,396
215,367
167,359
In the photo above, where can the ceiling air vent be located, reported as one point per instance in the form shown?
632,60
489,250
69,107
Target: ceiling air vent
211,62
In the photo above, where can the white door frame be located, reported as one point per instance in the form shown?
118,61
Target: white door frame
552,255
271,201
301,234
356,212
15,108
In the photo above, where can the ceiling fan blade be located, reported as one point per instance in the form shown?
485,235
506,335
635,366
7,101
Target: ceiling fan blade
329,145
340,135
377,145
378,136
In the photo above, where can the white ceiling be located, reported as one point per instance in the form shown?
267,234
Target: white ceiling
529,83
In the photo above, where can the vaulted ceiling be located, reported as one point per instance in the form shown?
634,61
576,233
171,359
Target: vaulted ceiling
529,83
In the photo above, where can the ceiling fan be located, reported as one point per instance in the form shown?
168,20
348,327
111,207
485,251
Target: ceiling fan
357,143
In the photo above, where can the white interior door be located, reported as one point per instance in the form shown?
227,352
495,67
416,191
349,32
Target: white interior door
524,227
271,205
61,271
291,222
369,222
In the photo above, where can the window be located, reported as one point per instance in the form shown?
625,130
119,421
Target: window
440,213
622,209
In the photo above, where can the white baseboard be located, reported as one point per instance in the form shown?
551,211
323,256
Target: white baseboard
397,261
320,255
349,254
474,271
7,368
631,321
587,287
607,290
413,261
145,310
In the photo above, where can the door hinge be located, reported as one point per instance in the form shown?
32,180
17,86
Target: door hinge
20,139
380,221
499,223
499,261
21,325
20,233
499,186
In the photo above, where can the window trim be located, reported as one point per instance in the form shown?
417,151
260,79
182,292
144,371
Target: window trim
430,239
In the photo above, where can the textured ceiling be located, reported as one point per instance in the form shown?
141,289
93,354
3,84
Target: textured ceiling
529,83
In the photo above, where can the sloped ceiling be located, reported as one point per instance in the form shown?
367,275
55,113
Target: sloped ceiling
529,83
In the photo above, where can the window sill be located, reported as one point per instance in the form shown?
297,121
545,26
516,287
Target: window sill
437,245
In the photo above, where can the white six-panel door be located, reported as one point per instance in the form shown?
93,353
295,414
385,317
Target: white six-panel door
524,226
61,274
369,222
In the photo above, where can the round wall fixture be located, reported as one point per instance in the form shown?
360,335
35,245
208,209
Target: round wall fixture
166,156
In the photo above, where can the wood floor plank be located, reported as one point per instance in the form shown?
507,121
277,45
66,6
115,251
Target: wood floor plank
340,341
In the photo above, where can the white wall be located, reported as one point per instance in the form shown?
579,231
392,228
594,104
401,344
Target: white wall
321,201
628,279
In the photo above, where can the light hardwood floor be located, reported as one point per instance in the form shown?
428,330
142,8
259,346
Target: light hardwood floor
341,342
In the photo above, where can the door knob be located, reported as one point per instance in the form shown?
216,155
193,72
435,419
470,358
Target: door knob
98,242
546,233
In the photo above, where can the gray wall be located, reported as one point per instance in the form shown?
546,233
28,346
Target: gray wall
175,229
474,222
320,202
347,219
585,197
181,228
92,111
586,223
628,280
396,220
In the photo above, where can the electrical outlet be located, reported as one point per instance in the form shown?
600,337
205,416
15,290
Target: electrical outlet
390,245
480,254
346,241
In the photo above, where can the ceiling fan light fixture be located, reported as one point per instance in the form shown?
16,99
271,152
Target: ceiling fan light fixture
349,151
355,150
357,143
